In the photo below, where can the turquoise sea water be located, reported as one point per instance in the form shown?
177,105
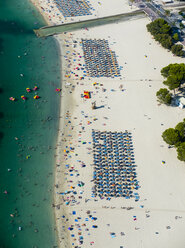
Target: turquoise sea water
34,122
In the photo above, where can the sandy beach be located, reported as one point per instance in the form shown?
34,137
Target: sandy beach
101,8
127,102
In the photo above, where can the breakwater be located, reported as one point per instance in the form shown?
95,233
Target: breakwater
57,29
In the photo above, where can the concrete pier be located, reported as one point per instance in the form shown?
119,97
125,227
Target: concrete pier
57,29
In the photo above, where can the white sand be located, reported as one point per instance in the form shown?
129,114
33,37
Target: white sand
162,195
99,9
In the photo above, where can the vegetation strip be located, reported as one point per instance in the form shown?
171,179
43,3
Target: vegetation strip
176,137
175,78
166,36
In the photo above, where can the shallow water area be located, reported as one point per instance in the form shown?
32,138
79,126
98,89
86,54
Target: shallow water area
28,129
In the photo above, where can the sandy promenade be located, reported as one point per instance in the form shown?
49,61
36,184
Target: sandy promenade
158,218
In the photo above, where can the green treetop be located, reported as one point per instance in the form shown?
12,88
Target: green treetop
172,82
175,74
159,26
176,37
180,127
171,136
177,50
164,96
162,32
174,69
181,151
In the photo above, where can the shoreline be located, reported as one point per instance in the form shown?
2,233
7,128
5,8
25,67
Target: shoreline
74,142
61,145
64,241
62,104
38,7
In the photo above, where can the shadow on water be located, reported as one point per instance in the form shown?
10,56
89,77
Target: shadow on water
1,136
1,49
1,115
2,245
13,28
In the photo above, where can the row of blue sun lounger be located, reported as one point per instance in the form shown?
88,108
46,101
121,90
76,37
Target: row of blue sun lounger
100,60
71,8
114,165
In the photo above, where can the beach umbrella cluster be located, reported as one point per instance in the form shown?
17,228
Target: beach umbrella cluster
70,8
100,60
114,165
23,97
